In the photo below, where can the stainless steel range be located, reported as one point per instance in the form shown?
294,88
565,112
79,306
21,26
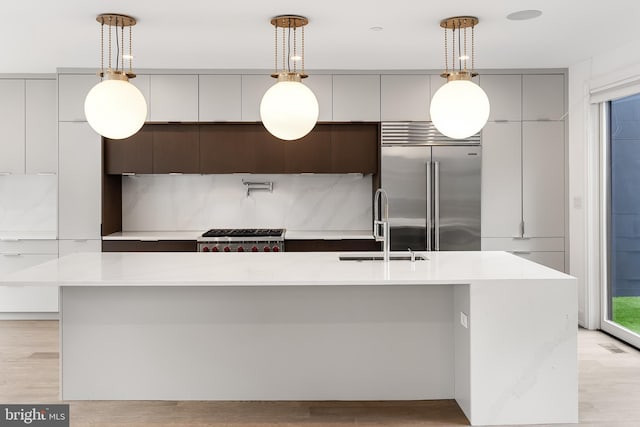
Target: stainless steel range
242,240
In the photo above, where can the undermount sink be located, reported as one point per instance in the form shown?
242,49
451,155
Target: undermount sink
397,257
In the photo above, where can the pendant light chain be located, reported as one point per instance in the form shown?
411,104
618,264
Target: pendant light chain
446,52
453,49
109,43
303,49
102,50
466,57
130,49
122,46
284,49
473,49
295,50
275,48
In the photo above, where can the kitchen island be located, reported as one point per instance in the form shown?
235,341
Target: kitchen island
495,332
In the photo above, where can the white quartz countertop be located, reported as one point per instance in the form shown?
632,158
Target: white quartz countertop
275,269
154,235
193,235
328,234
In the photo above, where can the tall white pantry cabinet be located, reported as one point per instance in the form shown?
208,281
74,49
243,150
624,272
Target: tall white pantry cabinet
28,159
523,170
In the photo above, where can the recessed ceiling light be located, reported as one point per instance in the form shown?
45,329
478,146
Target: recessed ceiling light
523,15
376,28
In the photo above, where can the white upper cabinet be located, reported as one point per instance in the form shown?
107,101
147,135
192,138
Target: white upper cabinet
253,89
543,97
501,180
41,127
356,98
543,179
72,91
12,123
505,96
143,82
405,97
173,98
79,182
322,87
220,98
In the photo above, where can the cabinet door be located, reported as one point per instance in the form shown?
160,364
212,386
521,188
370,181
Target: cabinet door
220,98
543,179
143,82
12,122
149,246
72,91
225,148
355,147
26,299
41,127
322,87
505,96
79,180
253,89
311,154
501,180
543,97
173,98
68,247
356,98
269,150
176,149
405,97
130,155
331,245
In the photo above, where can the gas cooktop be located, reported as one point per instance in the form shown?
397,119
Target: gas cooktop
244,232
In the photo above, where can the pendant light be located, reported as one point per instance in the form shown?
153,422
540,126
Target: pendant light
115,108
289,109
460,108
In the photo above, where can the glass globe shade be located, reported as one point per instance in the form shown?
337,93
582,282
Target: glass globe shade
115,109
289,110
459,109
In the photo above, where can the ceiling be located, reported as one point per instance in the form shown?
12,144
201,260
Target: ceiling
39,36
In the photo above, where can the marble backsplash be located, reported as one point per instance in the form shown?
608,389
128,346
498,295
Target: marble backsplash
200,202
28,203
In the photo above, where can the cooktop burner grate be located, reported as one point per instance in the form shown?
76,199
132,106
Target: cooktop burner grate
244,232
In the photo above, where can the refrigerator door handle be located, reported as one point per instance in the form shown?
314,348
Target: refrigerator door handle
429,223
436,204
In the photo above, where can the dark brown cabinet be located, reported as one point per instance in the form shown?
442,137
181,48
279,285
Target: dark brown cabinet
176,148
149,246
310,154
354,147
130,155
331,245
221,148
226,148
269,150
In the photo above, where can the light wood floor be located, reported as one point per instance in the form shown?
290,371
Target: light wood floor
609,392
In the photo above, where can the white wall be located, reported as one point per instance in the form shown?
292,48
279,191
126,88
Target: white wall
612,72
200,202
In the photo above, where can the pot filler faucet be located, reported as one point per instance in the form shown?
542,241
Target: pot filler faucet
381,218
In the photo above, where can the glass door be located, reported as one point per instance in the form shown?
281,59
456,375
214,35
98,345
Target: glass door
621,302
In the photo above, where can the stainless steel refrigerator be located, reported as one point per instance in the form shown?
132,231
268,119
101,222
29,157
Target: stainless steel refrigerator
433,183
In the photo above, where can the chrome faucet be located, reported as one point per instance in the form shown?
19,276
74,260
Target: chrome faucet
381,203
